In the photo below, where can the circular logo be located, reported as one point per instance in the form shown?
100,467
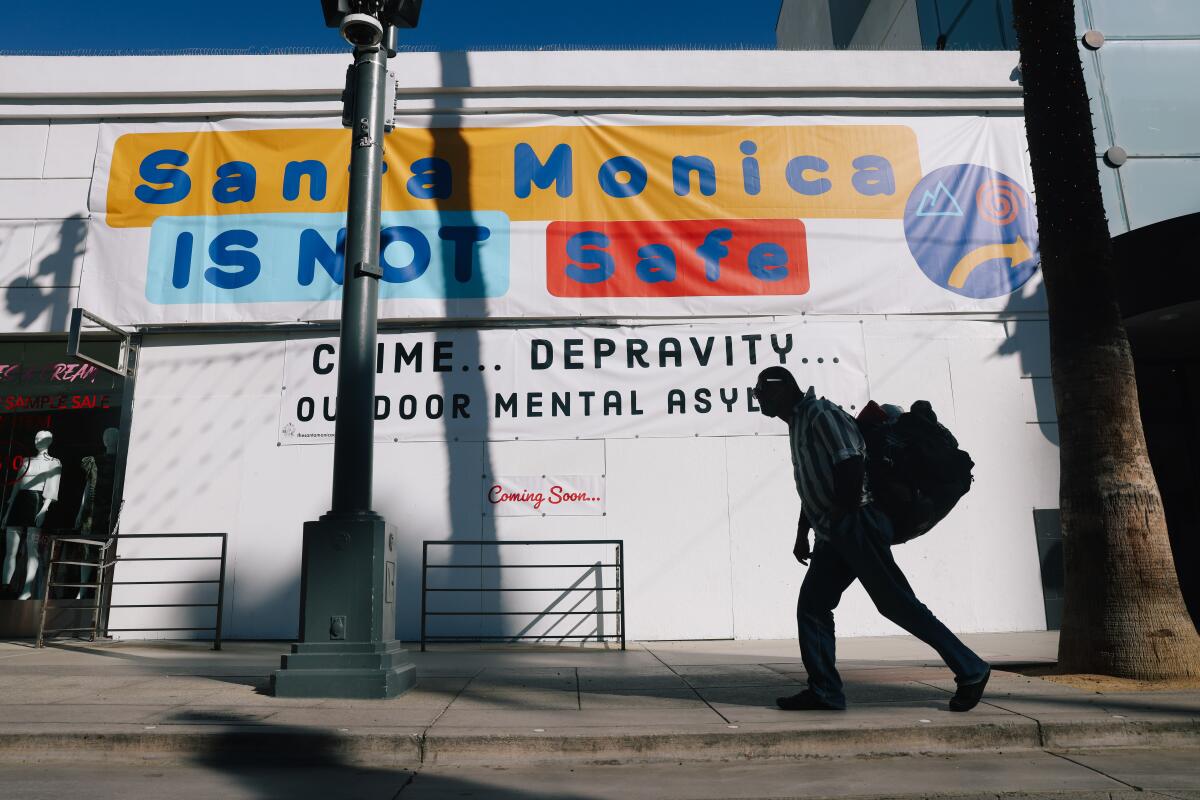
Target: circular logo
972,230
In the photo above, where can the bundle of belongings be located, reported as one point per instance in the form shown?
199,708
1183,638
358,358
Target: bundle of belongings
915,469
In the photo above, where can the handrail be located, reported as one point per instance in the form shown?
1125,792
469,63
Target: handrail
219,605
107,603
48,583
618,565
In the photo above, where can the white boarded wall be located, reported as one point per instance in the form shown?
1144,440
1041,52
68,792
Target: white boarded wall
45,173
708,522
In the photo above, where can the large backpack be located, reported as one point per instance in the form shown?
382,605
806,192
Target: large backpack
915,469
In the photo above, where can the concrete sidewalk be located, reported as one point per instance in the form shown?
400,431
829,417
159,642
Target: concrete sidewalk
656,702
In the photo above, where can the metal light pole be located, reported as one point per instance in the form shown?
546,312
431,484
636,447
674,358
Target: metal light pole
348,569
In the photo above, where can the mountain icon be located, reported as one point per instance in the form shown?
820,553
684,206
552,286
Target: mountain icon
939,203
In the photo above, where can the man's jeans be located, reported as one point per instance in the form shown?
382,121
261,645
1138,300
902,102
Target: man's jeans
859,547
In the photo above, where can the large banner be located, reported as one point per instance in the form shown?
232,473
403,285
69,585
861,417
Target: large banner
553,217
588,382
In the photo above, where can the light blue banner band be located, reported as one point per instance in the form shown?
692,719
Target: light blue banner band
264,258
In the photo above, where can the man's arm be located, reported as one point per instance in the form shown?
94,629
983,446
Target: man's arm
840,437
847,485
801,549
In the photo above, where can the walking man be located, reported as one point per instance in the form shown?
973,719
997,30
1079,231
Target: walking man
853,540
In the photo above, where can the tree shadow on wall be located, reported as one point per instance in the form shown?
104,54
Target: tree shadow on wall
47,295
469,468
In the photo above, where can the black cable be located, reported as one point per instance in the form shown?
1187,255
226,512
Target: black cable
941,37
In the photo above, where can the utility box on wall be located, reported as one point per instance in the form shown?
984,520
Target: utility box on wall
1047,526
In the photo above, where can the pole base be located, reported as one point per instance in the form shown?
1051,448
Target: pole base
363,670
347,613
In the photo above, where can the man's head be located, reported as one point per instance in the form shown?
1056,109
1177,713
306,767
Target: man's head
777,392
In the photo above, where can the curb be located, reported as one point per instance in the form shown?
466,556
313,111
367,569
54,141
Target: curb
318,747
1053,794
1078,734
223,745
741,745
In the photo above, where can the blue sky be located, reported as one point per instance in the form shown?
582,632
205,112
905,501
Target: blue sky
90,26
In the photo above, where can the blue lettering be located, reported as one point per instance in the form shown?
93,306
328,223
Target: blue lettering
432,179
712,250
874,176
295,171
586,247
630,186
797,180
163,166
221,254
315,250
557,170
420,258
682,168
768,261
235,184
751,181
181,273
657,264
464,238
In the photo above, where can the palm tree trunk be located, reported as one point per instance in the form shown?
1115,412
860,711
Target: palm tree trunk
1123,613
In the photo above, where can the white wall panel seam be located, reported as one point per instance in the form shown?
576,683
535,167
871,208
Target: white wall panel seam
45,149
62,125
17,138
45,198
733,618
985,104
29,252
862,330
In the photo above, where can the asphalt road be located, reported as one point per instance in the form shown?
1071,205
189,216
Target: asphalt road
1113,774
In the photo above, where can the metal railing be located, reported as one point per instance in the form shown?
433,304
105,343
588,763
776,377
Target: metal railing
594,569
219,581
93,611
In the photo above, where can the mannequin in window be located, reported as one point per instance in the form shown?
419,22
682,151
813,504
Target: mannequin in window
95,509
35,489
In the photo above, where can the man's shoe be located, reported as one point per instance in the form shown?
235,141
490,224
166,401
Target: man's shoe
805,701
967,695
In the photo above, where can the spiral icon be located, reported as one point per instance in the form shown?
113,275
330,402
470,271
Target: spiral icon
1000,202
972,230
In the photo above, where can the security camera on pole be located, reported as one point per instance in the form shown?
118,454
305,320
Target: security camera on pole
348,570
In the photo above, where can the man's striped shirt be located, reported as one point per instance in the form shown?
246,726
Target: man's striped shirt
821,434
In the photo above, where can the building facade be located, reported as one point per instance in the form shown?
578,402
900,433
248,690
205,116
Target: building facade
589,256
1137,60
895,25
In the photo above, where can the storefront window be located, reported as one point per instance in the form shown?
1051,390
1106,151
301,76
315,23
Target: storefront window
62,481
